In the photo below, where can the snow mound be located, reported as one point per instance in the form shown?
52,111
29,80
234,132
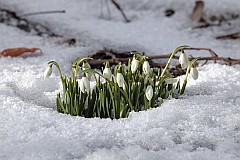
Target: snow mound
201,124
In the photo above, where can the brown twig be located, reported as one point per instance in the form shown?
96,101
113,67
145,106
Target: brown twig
211,52
230,36
121,10
213,57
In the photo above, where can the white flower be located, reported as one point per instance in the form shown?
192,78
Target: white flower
84,85
146,68
107,73
120,79
171,80
149,92
134,65
183,60
48,72
194,73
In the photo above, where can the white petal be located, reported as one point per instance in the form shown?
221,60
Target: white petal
86,84
107,73
146,68
134,65
47,72
183,60
194,73
120,79
149,92
81,85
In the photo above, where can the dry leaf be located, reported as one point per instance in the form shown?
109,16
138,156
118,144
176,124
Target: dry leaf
14,52
198,11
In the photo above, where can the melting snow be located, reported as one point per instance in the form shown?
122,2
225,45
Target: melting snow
202,124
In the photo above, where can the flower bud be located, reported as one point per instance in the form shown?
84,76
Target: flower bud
48,72
146,68
171,80
134,65
194,73
84,85
120,79
149,92
183,60
107,73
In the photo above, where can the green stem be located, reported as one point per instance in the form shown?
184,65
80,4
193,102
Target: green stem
112,83
77,63
170,59
56,64
187,73
149,104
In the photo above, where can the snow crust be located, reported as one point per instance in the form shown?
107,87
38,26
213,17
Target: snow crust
202,124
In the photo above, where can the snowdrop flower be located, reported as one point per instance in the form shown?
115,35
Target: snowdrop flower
183,60
171,80
120,79
149,92
194,73
134,65
107,73
48,72
146,68
84,85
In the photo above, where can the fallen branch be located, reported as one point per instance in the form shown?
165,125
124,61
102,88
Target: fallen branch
230,36
122,57
11,18
121,10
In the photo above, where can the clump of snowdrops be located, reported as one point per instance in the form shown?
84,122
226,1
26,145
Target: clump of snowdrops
120,89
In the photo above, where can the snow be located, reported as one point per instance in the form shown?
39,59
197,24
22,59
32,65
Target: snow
201,124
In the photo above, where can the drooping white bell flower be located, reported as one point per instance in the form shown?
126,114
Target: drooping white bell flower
194,73
171,80
183,60
146,68
134,65
107,73
120,79
84,85
149,92
47,72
